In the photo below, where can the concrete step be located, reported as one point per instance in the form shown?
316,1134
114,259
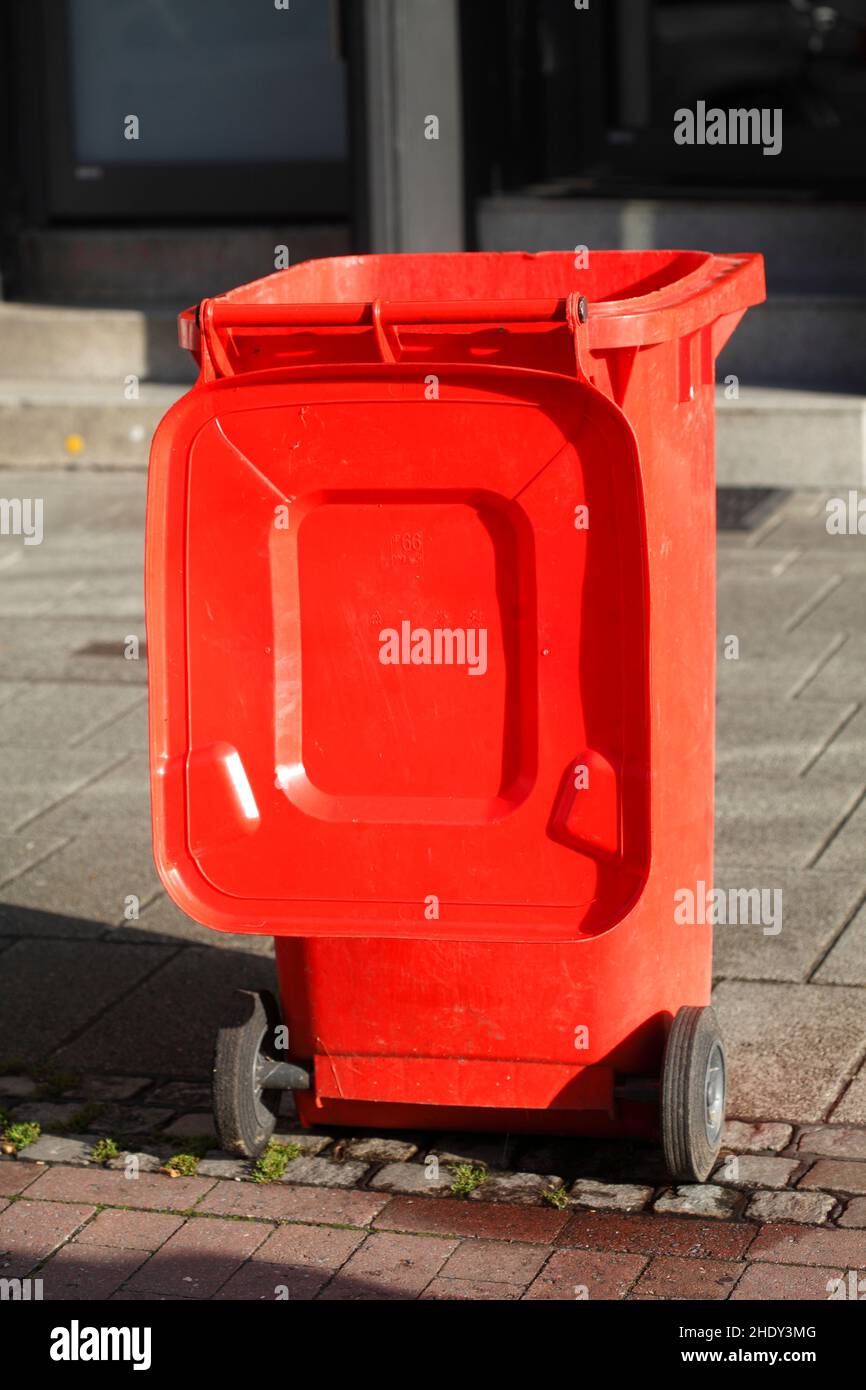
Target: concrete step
807,245
56,342
767,437
811,333
814,342
783,438
79,424
159,265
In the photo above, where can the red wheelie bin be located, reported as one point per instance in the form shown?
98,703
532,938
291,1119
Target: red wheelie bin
430,615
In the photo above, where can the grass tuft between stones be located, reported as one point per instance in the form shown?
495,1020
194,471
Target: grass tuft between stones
181,1165
272,1164
467,1177
16,1137
556,1197
104,1150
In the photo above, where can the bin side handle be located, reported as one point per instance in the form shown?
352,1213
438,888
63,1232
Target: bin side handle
722,285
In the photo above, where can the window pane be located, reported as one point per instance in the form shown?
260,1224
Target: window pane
220,80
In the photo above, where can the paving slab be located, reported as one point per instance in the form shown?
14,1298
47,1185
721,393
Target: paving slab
120,796
35,779
845,964
840,607
810,1245
106,1187
100,875
318,1247
22,923
160,920
586,1275
14,1177
844,853
483,1220
131,1230
470,1290
389,1266
854,1214
815,905
668,1276
282,1202
93,1087
72,552
125,1122
842,676
493,1262
49,1114
181,1095
767,735
786,670
737,557
50,994
259,1282
15,1088
89,1273
21,852
761,609
31,1230
847,747
791,1048
654,1234
781,1283
193,1125
63,716
198,1259
72,649
182,1043
786,822
126,734
851,1108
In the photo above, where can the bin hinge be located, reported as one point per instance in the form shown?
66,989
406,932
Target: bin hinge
577,317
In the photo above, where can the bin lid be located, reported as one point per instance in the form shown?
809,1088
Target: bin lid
398,686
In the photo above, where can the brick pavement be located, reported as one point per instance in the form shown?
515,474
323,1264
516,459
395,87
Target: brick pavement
89,1242
95,1021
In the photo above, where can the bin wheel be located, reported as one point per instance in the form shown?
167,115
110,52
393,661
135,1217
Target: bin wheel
245,1114
693,1094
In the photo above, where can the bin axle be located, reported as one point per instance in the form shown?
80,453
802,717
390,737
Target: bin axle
281,1076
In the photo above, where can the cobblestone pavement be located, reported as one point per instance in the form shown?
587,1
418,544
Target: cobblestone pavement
97,1038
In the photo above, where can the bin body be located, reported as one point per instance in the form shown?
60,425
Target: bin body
430,587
